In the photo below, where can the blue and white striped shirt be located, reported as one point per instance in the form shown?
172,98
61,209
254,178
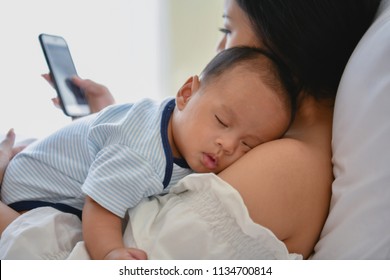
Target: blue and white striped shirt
116,157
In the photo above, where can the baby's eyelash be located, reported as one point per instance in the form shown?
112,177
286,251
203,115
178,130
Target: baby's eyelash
224,30
221,122
246,144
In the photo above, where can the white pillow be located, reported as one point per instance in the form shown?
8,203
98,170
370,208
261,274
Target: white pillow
358,226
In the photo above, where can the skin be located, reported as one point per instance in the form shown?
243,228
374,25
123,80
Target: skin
286,183
237,28
229,117
7,152
98,96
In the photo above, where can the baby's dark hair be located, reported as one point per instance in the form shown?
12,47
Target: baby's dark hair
270,70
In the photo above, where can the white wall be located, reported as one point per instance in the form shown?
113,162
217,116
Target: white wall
135,48
113,42
190,39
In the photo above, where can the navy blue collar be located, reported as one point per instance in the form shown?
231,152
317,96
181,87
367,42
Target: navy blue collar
166,115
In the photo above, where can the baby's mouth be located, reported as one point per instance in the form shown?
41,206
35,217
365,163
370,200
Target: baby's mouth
210,161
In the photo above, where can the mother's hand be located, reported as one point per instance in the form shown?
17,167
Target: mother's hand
98,95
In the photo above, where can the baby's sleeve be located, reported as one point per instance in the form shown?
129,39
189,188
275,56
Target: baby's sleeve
119,178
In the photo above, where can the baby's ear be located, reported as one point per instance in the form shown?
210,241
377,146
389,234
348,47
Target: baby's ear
184,94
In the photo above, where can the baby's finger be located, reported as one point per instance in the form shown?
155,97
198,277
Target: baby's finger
138,254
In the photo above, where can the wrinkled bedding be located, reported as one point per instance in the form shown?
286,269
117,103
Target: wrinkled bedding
202,217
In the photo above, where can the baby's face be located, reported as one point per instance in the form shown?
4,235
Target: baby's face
225,119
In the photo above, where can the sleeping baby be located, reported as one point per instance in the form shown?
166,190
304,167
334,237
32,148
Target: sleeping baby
100,166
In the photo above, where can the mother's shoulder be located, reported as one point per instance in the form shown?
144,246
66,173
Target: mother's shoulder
285,185
281,164
291,151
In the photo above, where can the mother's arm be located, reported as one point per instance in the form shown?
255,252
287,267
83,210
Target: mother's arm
7,216
286,188
7,151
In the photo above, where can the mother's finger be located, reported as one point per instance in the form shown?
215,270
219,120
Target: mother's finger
8,142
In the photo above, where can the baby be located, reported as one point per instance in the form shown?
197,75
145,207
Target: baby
100,166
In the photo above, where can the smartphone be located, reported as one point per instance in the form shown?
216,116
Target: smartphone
62,69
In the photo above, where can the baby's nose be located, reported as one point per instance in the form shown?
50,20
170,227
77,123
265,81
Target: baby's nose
228,145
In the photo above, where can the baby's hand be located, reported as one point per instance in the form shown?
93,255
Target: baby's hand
126,254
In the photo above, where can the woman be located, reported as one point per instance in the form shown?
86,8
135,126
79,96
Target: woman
286,184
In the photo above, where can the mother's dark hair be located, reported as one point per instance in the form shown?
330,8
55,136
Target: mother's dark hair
314,38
